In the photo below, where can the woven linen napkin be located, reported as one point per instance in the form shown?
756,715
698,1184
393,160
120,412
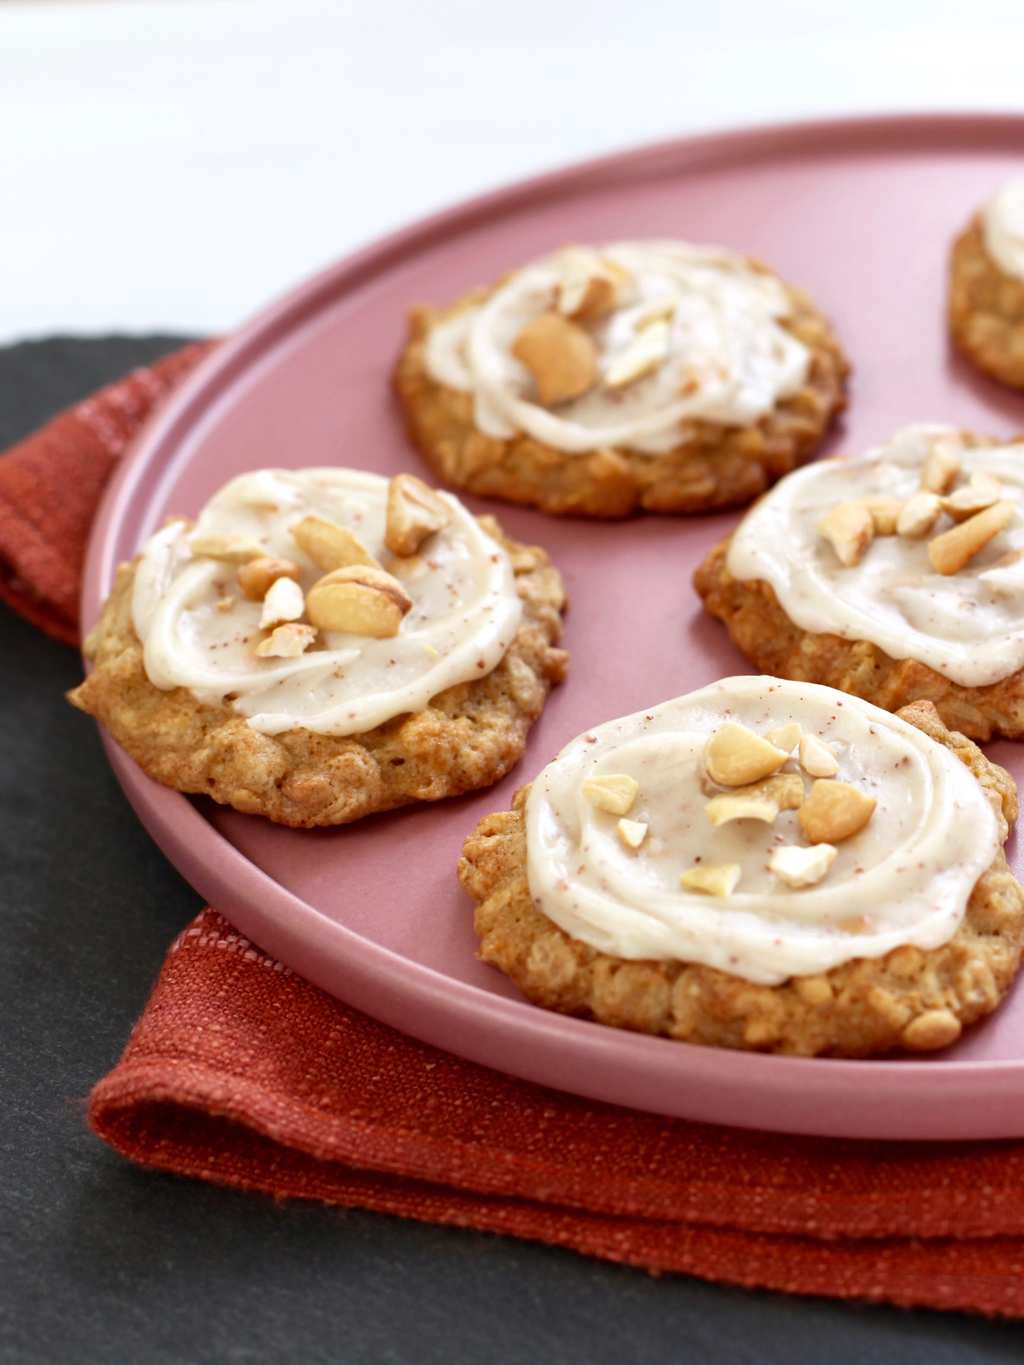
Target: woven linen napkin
241,1073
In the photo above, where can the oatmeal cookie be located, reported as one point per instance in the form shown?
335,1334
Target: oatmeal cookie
896,576
466,736
911,999
763,632
986,308
575,434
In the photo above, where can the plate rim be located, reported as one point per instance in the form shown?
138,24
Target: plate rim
383,983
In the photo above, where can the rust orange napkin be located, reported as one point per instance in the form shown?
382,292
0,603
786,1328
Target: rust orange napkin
240,1072
50,486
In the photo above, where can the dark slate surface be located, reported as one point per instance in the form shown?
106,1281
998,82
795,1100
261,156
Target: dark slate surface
100,1262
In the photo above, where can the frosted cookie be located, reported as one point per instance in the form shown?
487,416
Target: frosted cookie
323,644
761,864
896,575
593,382
986,287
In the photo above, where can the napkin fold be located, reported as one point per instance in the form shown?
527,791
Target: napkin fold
242,1073
50,487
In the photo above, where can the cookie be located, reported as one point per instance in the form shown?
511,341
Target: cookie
644,375
897,575
986,287
687,872
324,644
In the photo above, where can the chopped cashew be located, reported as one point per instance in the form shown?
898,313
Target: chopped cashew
256,577
849,528
735,756
798,866
590,285
714,881
942,466
919,515
834,811
360,599
785,736
228,549
329,545
561,357
816,758
760,801
415,512
951,551
613,792
632,832
982,491
284,602
884,513
287,641
645,353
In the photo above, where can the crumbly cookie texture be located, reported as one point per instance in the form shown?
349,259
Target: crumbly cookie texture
986,308
713,466
468,737
909,999
763,632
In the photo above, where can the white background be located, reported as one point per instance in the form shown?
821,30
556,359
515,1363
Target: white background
173,164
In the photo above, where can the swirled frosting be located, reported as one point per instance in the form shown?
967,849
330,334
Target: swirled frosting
729,358
904,879
464,615
968,626
1002,221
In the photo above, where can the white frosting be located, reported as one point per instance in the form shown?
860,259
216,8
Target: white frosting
968,626
464,615
729,359
1003,228
905,878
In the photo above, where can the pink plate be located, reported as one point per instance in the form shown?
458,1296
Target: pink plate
861,212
